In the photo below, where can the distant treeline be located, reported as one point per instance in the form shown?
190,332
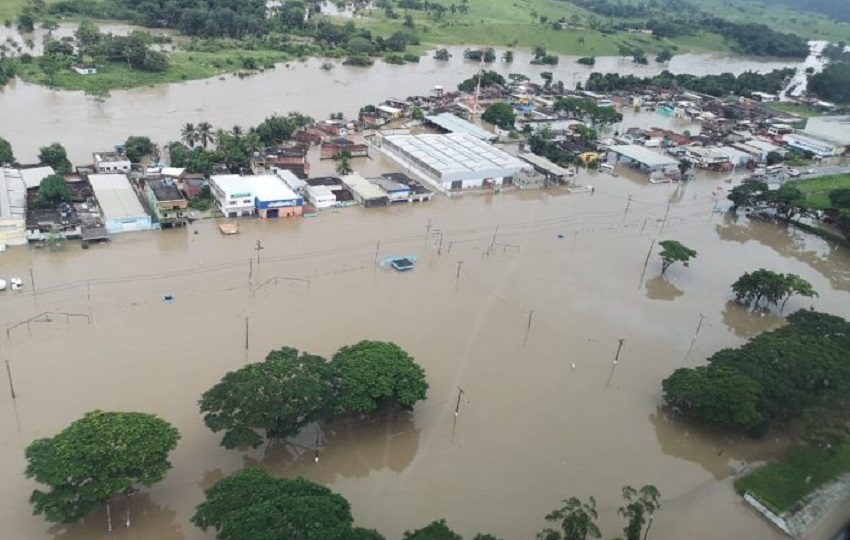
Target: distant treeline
681,18
836,9
713,85
209,18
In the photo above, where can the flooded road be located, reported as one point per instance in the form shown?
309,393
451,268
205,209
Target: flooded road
33,116
531,430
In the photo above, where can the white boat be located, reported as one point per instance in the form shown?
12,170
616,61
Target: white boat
16,283
2,284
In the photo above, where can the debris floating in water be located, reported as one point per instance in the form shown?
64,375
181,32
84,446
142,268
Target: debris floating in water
168,298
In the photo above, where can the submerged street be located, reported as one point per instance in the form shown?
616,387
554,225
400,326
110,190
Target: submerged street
547,280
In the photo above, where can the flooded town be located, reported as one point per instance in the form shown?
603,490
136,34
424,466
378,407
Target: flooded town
475,294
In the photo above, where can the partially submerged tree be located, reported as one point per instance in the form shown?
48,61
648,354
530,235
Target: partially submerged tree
55,156
639,509
575,520
436,530
343,163
748,194
374,375
275,398
674,252
500,114
102,455
252,504
753,287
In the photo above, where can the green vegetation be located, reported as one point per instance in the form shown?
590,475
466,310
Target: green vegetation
500,114
95,458
817,190
52,191
833,83
281,395
785,483
182,66
55,156
773,287
252,504
801,369
6,154
487,78
714,85
138,147
674,252
801,111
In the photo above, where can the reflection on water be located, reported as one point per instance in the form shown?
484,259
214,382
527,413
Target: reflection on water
831,261
720,454
129,514
746,323
348,448
658,288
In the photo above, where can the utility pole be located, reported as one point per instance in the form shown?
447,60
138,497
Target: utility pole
664,221
459,266
32,280
493,240
460,392
530,315
246,333
377,249
11,384
428,229
628,203
440,247
646,262
316,457
259,247
699,325
619,347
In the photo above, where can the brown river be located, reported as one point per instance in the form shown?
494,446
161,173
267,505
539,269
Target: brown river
532,430
33,116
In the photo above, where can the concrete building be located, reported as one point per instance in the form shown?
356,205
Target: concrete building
232,195
321,196
552,171
823,136
454,161
641,158
273,198
13,208
366,193
396,191
708,157
416,192
111,162
453,124
121,208
167,204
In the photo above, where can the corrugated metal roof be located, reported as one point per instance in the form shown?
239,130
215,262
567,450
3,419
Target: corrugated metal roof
452,123
116,196
642,155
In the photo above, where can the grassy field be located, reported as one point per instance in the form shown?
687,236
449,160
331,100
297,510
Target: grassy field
800,111
183,66
778,17
501,23
784,483
817,189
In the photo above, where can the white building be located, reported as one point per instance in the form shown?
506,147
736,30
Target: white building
121,208
13,208
321,196
272,197
366,193
454,161
110,162
817,145
641,158
232,194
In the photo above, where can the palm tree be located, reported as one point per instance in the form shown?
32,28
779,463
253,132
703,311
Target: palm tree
189,134
237,132
342,163
205,134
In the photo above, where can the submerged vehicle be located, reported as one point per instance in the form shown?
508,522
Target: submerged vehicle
401,264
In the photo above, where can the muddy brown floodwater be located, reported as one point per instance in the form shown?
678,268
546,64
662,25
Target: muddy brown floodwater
531,430
33,116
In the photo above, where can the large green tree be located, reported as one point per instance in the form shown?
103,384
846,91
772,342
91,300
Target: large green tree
800,369
373,375
250,504
674,252
55,156
753,287
95,458
6,154
138,147
52,191
748,194
575,520
500,114
276,397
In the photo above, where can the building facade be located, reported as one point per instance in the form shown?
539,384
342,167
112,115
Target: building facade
167,204
233,195
273,198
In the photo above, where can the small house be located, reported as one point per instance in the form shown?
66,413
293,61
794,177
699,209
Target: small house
166,202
